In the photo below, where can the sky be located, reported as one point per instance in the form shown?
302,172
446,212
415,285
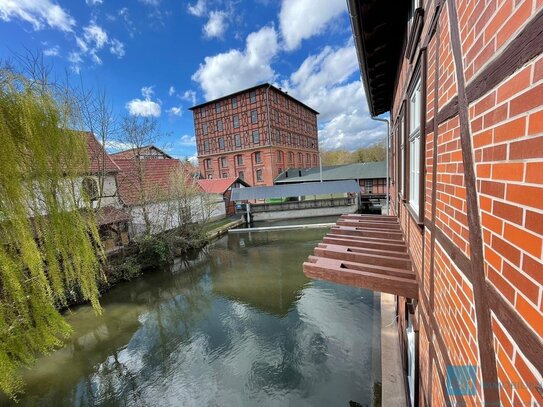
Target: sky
160,57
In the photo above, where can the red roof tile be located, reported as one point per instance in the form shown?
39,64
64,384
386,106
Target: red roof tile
155,184
219,185
143,151
99,159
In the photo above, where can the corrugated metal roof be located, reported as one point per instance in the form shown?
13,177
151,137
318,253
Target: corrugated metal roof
369,170
286,191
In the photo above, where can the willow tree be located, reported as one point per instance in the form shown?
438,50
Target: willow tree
49,244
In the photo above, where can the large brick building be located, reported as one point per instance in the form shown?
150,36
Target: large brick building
255,134
463,82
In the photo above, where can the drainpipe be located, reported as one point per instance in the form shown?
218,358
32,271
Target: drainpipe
387,146
320,165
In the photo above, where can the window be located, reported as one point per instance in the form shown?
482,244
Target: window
219,125
208,163
239,159
218,107
308,159
204,128
256,137
289,137
277,136
206,145
286,103
237,140
225,175
234,102
368,186
288,121
258,157
254,116
401,165
276,113
209,176
203,112
236,121
290,156
259,175
221,143
90,186
300,158
252,96
279,156
415,106
297,137
314,159
224,162
241,175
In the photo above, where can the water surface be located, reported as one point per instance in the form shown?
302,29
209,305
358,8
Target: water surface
238,326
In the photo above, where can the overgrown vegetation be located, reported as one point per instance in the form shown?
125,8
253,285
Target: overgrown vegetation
376,152
49,243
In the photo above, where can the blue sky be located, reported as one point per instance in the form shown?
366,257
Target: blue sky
158,57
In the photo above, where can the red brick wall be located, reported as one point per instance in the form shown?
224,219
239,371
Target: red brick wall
506,127
297,127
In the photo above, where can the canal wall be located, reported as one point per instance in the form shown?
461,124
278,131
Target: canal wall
303,213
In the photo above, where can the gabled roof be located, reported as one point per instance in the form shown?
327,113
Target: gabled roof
219,185
369,170
98,158
133,152
155,184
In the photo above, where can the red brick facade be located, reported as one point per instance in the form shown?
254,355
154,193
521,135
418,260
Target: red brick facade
234,139
467,186
492,316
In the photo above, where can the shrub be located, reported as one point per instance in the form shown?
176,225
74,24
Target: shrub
153,252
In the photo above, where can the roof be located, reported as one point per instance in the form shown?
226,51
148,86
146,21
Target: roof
219,185
369,170
109,214
156,179
378,27
99,160
133,152
286,191
262,85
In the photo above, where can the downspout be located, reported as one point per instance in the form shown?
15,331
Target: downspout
387,159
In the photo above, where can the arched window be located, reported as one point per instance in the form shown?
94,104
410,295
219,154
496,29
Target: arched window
90,187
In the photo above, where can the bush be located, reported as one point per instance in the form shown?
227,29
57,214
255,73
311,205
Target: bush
127,270
153,252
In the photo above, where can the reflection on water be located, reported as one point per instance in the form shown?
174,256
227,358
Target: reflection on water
240,325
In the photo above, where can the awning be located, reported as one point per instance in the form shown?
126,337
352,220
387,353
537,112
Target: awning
287,191
366,251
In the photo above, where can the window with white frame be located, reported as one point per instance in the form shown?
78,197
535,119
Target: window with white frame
401,135
415,101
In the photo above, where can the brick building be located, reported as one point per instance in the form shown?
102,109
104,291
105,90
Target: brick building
463,82
255,134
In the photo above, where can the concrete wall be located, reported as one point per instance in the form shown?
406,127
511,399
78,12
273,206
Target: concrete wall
305,213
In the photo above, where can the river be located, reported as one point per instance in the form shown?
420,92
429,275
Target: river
239,325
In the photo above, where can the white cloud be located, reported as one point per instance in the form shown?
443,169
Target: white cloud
93,2
117,48
171,91
233,70
147,92
187,140
302,19
145,107
216,25
198,9
95,36
38,13
190,96
325,82
176,111
51,52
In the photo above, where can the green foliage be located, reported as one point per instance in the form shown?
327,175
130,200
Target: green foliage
47,245
153,252
376,152
128,269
